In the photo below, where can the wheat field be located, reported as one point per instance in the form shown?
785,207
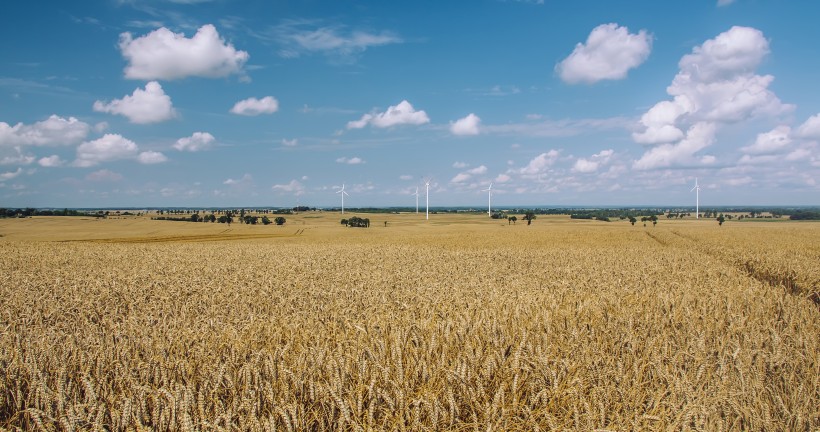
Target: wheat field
459,323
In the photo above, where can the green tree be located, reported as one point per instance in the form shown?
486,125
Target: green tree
529,216
632,220
721,219
279,220
265,220
512,219
654,219
195,217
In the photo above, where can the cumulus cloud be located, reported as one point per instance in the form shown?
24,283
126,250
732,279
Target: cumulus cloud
293,187
254,107
151,157
299,37
770,142
400,114
16,158
466,126
244,180
584,165
715,85
540,163
698,137
502,178
151,105
290,143
809,130
460,165
468,174
608,54
53,131
110,147
10,174
196,142
103,175
165,55
350,161
51,161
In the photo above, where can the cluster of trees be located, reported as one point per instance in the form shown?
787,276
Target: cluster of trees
805,215
357,222
529,217
27,212
227,218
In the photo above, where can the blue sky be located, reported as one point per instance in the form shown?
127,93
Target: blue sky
262,103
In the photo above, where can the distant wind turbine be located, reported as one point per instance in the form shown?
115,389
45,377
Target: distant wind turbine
342,191
427,197
697,198
489,191
417,200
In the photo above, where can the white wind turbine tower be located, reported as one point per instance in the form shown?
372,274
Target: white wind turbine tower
342,191
427,197
417,199
697,198
489,191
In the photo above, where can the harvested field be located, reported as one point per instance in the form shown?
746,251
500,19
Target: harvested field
462,324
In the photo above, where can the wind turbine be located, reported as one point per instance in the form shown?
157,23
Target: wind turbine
342,191
427,197
697,198
417,199
489,191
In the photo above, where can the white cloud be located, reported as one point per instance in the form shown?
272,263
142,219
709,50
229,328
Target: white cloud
466,126
253,106
811,128
400,114
103,175
502,178
165,55
293,187
478,170
722,3
770,142
10,175
51,161
151,105
302,37
245,179
16,158
100,127
583,165
460,165
290,143
53,131
609,53
151,157
540,163
406,177
108,148
715,85
698,137
196,142
461,178
350,161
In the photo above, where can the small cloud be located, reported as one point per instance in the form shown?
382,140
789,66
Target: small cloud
350,161
290,143
10,175
400,114
298,38
51,161
770,142
101,127
478,170
460,165
245,179
164,55
292,187
254,107
460,178
196,142
103,175
722,3
466,126
108,148
609,53
406,177
53,131
151,157
502,178
151,105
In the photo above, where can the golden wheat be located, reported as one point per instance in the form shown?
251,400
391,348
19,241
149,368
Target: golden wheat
583,326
